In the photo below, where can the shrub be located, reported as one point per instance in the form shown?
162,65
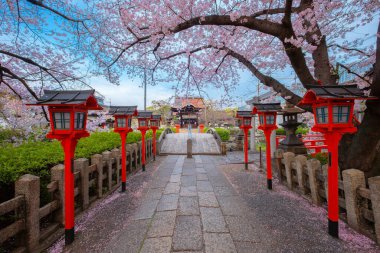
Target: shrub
223,133
322,157
302,130
280,131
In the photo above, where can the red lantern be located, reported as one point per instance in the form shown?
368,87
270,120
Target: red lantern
333,108
201,128
267,122
245,118
143,118
154,125
123,125
68,115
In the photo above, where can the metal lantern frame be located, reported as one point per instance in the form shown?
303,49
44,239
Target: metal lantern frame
124,113
143,116
154,125
267,111
245,119
71,102
330,97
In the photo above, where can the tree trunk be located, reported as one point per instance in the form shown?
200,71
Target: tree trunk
362,150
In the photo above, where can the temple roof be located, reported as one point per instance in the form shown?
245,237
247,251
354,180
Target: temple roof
123,110
156,117
181,102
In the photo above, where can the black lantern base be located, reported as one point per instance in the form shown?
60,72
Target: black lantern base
333,228
246,166
69,236
143,167
154,158
269,183
123,186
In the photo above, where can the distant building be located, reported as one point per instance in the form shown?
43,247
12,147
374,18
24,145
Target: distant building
187,110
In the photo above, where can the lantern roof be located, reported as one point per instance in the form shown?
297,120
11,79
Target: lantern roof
156,117
266,107
123,110
144,114
317,93
73,98
291,109
243,114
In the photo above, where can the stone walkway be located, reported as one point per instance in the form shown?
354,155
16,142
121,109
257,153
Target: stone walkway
206,204
201,144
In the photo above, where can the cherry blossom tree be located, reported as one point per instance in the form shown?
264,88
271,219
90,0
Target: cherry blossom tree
207,42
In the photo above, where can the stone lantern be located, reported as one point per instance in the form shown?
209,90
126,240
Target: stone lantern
290,123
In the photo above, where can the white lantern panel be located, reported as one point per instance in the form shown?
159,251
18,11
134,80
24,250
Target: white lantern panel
79,120
247,122
142,123
270,119
341,114
322,115
61,120
121,122
261,118
129,122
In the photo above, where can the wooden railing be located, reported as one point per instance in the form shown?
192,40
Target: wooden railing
33,228
357,202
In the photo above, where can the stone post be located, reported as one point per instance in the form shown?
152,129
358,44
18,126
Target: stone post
189,148
300,163
325,169
107,159
279,154
98,160
57,174
374,186
116,156
252,144
273,143
81,165
313,166
29,186
288,159
352,180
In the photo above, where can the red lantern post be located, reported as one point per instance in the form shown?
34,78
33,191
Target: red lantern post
245,118
68,115
154,125
201,128
333,108
177,127
143,119
267,122
123,125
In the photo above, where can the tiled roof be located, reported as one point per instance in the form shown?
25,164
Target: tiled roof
337,91
144,114
65,97
156,117
122,110
180,102
268,107
243,114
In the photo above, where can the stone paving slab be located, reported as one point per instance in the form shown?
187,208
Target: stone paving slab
176,178
188,206
219,243
188,180
168,202
224,191
207,199
202,177
232,205
204,186
162,224
241,229
146,209
213,220
200,170
188,191
188,233
157,245
172,188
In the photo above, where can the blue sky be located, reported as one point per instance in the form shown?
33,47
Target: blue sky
130,92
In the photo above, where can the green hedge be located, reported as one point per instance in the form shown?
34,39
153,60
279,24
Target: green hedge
300,130
322,157
38,157
223,133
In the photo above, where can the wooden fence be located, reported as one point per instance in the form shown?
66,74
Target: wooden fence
359,204
32,228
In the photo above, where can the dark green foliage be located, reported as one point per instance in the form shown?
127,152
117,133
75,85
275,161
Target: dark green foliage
322,157
38,157
223,133
280,131
300,130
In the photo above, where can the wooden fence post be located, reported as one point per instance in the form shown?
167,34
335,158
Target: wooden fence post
300,161
374,186
288,159
116,156
57,174
81,165
98,160
313,166
279,155
107,159
29,186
